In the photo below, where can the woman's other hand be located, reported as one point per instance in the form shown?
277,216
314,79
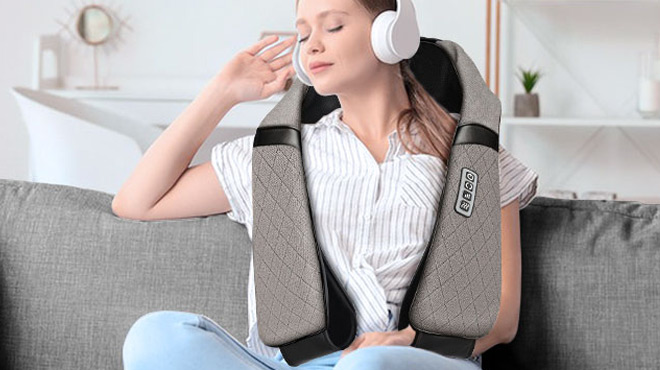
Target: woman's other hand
253,76
403,337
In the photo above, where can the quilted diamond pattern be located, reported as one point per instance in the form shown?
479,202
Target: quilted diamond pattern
459,290
460,287
288,286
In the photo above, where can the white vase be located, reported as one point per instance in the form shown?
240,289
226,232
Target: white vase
649,97
648,100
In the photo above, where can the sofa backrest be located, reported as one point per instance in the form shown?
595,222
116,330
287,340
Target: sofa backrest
590,287
74,277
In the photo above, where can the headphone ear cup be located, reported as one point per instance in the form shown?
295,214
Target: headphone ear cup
381,35
395,34
297,65
404,32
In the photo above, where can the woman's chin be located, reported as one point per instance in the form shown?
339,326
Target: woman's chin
323,90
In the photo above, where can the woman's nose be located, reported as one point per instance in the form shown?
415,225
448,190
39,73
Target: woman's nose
313,45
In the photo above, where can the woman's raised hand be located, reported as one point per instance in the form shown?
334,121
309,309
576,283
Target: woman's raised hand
254,77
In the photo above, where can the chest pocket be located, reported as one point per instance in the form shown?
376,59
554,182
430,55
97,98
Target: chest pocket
422,181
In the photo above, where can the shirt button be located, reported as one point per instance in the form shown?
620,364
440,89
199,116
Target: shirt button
367,217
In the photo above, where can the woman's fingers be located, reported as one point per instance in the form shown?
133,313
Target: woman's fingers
278,83
254,49
272,52
281,61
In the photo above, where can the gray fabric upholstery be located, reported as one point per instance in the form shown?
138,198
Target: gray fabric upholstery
479,102
74,278
590,287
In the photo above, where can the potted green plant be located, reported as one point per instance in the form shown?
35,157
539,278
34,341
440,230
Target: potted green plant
527,104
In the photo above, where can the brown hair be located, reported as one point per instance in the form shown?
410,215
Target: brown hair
425,116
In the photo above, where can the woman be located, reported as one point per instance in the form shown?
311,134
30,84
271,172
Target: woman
371,168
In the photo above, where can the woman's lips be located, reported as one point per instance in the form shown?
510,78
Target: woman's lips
322,68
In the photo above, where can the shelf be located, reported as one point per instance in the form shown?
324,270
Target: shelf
160,107
581,122
172,95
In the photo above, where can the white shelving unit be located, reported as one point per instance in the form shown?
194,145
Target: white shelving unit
526,131
583,122
508,124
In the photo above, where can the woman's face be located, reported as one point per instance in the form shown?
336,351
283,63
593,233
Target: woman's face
341,37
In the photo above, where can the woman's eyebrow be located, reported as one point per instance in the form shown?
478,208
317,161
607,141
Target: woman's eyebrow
321,15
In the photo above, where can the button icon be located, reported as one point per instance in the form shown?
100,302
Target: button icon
466,192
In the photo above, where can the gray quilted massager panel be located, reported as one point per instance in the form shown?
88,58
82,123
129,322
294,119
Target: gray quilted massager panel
288,287
459,292
454,297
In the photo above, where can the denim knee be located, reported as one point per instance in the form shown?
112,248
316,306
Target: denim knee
366,358
154,335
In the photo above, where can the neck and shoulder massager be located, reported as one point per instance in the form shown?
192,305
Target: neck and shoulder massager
454,296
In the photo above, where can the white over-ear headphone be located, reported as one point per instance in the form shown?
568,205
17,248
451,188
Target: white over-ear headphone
394,37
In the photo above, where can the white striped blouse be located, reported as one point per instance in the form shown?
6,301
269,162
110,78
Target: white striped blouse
372,220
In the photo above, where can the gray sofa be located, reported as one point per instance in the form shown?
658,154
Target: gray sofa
74,277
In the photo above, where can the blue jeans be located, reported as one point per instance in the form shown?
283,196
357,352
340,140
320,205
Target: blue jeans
182,340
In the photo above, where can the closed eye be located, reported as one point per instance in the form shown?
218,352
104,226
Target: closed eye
332,30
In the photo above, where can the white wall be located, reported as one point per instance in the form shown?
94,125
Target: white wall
174,40
587,52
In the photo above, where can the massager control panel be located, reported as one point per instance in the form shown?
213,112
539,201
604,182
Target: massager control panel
466,192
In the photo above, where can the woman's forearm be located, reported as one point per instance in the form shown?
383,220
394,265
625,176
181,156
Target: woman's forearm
480,346
171,153
484,343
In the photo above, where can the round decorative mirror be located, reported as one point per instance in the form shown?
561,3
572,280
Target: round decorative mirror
94,24
100,27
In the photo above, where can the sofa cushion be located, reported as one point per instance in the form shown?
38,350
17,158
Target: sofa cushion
590,287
